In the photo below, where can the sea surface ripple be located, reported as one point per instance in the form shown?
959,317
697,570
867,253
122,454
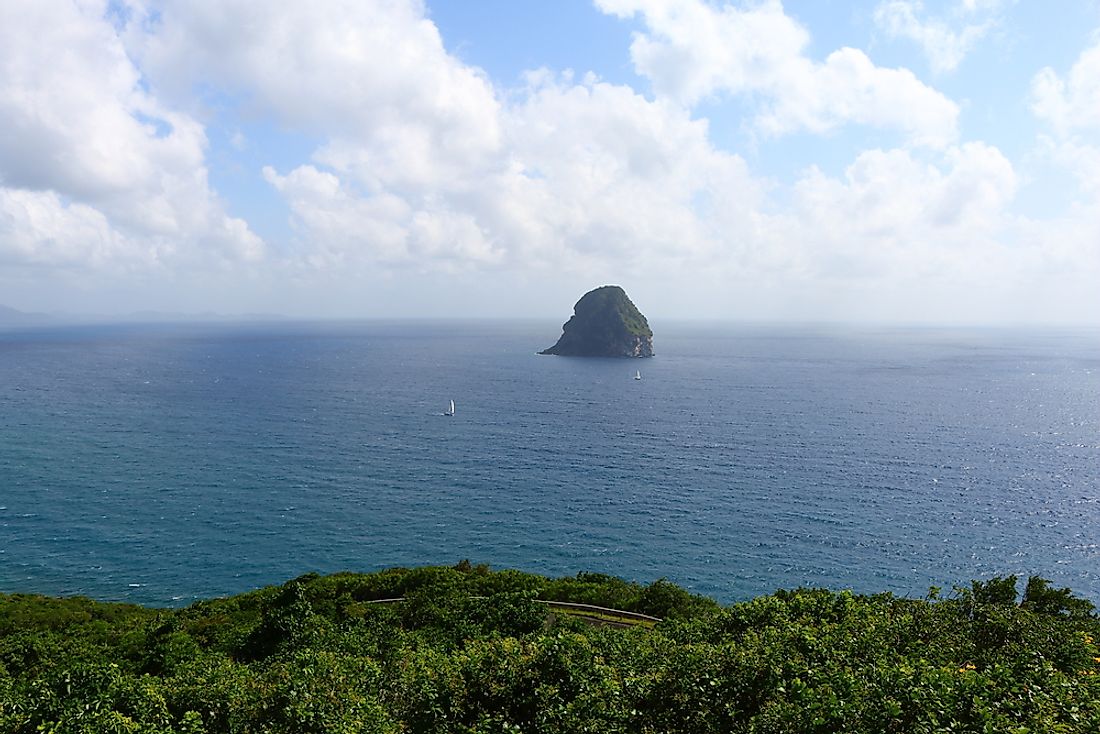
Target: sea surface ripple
163,464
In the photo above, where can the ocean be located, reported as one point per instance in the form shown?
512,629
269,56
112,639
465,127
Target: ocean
161,464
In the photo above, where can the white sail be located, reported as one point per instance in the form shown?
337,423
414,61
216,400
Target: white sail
638,375
452,410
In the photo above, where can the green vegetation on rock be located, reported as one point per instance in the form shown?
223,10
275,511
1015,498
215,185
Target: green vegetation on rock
470,650
605,323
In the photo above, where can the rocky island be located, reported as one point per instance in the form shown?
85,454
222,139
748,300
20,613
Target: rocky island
605,323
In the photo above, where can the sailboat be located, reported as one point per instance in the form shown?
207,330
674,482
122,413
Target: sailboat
451,411
638,375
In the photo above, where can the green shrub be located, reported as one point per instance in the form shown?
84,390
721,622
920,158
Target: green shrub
471,650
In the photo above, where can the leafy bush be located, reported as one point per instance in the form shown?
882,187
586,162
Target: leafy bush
472,650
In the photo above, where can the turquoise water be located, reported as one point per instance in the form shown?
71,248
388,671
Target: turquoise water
161,464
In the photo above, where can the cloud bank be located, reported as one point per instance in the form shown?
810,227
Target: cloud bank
93,167
422,163
944,41
691,50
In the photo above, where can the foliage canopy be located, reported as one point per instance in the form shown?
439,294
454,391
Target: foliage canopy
471,650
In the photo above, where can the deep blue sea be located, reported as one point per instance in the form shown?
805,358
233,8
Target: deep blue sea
162,464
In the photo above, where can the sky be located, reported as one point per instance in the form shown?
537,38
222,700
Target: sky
887,161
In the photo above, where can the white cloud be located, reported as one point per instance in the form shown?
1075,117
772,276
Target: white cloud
980,6
1081,159
423,161
606,171
692,50
588,173
1070,243
582,176
346,229
371,76
422,165
945,41
37,228
410,134
1071,104
939,241
1071,107
93,166
896,216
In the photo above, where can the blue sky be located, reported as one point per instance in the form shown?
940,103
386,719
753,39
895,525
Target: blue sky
889,160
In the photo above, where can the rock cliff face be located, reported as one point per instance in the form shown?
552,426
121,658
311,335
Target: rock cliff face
605,323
